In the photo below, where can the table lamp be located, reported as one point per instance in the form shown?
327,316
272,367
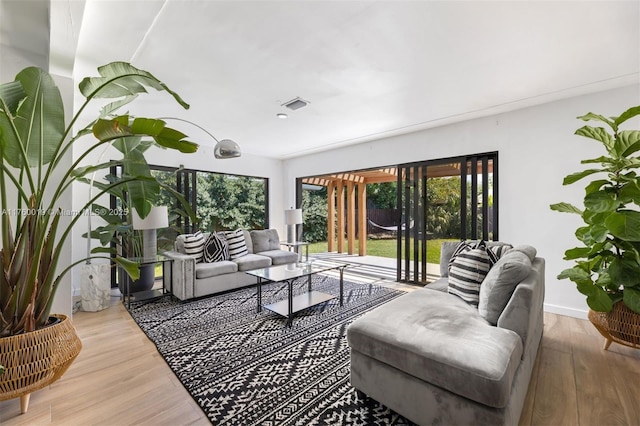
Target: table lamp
292,217
157,218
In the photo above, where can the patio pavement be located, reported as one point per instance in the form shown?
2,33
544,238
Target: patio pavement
367,267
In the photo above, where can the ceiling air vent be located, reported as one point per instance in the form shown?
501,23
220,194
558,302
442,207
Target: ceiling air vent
295,104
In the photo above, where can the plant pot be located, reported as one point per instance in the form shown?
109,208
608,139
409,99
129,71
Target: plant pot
144,283
36,359
621,325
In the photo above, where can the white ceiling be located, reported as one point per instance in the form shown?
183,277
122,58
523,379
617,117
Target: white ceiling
369,69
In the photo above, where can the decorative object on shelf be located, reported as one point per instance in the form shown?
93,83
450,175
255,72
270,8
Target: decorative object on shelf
37,169
607,265
224,149
292,217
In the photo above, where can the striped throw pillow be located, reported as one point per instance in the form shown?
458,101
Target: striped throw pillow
467,271
216,248
500,249
237,244
194,245
461,248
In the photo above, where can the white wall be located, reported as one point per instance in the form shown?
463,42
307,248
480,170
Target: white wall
536,149
62,302
25,43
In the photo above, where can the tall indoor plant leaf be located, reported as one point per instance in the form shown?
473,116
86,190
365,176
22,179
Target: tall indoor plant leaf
607,267
35,141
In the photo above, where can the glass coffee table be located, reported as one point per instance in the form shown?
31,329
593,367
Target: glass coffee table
290,273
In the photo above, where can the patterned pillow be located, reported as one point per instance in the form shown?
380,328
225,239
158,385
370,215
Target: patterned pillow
216,248
497,250
237,244
500,249
467,270
194,245
461,248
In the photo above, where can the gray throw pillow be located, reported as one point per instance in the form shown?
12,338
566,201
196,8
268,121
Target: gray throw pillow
530,251
501,281
446,251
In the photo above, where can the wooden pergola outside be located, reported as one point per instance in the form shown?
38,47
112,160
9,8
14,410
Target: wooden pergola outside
343,203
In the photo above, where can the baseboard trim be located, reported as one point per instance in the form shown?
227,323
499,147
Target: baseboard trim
562,310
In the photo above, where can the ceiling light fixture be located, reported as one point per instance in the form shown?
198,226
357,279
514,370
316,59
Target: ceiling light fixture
224,149
282,115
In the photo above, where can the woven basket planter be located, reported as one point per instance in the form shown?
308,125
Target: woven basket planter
36,359
621,325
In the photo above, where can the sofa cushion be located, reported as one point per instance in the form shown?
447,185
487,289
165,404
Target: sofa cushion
193,244
468,267
208,270
529,251
501,281
499,250
252,261
446,250
247,241
441,284
280,257
237,243
265,240
438,338
216,248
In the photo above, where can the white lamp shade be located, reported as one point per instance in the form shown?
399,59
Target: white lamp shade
157,218
293,216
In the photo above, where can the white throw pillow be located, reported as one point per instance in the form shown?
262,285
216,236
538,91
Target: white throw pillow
194,245
467,270
237,243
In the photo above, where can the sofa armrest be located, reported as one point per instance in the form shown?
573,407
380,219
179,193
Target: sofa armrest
524,311
183,274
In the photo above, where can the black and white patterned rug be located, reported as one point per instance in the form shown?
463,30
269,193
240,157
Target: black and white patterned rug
249,368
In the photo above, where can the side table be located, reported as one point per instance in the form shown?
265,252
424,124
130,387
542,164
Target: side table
167,281
294,247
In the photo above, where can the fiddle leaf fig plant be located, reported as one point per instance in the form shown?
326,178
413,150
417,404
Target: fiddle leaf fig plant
607,264
37,169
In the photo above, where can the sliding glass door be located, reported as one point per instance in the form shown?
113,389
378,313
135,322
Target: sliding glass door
449,199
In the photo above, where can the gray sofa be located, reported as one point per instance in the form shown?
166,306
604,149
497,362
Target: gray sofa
196,279
435,359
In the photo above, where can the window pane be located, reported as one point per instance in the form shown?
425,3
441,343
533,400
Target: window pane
227,202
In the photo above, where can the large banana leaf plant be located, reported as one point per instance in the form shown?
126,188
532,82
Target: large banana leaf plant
117,235
36,169
607,264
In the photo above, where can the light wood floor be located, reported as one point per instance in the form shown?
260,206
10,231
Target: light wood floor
120,379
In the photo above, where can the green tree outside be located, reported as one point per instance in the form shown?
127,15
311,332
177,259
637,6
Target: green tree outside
227,202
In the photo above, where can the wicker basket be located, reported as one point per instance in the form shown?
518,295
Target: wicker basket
36,359
621,325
